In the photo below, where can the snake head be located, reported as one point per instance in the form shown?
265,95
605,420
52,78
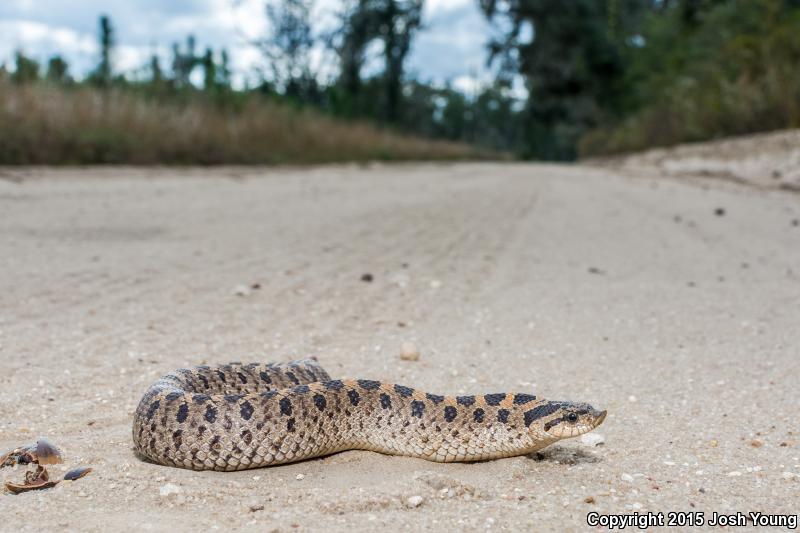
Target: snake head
568,419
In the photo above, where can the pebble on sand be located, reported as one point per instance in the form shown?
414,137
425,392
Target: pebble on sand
414,501
626,477
409,352
169,489
592,439
242,290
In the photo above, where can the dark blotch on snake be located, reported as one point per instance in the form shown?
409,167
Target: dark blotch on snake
286,406
183,412
336,384
417,408
354,397
435,398
502,415
552,423
494,399
320,402
211,414
290,425
268,394
172,396
247,410
403,391
520,399
301,389
294,379
465,400
242,377
200,398
450,413
265,377
153,408
247,437
478,414
177,440
368,384
540,411
386,401
221,375
233,398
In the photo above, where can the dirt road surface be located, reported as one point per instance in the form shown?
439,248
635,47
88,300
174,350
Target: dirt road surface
674,305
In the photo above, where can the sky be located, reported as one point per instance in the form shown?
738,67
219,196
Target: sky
450,48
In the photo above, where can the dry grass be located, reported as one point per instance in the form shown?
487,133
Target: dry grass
41,124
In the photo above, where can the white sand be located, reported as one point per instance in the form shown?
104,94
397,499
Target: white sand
570,282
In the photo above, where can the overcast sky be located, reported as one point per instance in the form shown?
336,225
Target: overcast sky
451,47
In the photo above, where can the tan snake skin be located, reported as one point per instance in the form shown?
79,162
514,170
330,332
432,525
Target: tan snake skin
235,416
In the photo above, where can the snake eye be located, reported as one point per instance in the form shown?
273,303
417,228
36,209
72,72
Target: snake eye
572,418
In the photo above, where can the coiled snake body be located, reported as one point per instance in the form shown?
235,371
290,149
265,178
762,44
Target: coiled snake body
235,416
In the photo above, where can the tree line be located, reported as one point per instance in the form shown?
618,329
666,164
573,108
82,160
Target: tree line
601,76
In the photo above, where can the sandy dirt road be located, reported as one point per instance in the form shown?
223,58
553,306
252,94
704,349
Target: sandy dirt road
674,305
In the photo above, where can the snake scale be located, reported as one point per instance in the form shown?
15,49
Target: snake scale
239,416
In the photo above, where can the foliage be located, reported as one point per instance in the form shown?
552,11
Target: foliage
725,68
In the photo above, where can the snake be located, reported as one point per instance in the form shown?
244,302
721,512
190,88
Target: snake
238,416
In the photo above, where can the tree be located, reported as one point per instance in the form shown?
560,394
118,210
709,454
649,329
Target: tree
156,73
184,62
398,21
209,71
224,70
392,22
288,48
58,71
102,76
572,64
27,69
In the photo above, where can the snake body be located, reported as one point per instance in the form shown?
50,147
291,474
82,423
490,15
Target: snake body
239,416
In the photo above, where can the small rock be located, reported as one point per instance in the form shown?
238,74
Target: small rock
790,475
242,290
632,398
713,443
435,284
592,439
367,278
409,352
414,501
796,222
588,499
755,443
735,473
256,507
169,489
720,211
299,477
626,477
